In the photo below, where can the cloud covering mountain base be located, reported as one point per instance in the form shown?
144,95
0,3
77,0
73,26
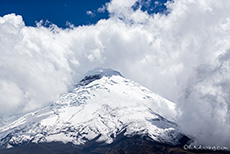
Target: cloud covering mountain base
183,56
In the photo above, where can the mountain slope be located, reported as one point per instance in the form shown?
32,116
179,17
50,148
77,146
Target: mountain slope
103,105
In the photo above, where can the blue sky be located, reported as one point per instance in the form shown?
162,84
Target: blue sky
73,11
56,11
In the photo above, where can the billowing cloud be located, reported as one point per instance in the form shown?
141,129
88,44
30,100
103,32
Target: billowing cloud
182,56
33,67
205,104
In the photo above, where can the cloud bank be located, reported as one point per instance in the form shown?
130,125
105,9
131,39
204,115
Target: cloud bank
183,56
205,104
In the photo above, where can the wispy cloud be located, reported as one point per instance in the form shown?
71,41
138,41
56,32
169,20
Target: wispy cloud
102,9
92,14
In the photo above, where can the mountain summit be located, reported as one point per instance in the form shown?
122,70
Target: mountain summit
103,106
98,73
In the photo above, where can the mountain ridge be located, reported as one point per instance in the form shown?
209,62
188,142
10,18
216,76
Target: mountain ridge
103,105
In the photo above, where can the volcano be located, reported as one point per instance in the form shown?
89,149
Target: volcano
103,110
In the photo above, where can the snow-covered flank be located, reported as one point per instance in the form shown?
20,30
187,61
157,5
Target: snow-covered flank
100,109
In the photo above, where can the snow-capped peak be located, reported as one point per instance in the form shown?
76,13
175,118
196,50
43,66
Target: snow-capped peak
102,106
98,73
